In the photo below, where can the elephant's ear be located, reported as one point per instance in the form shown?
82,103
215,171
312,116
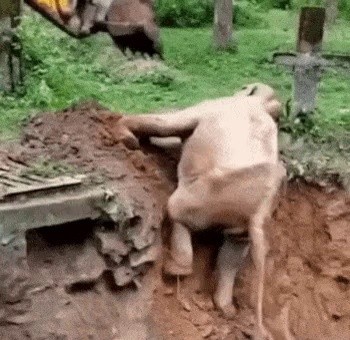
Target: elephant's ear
250,89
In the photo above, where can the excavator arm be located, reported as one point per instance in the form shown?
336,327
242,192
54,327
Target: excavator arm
54,11
130,23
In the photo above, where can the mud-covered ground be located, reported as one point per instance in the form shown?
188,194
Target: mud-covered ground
307,292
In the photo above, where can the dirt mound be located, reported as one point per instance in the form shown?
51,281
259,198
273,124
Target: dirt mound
83,137
80,139
307,292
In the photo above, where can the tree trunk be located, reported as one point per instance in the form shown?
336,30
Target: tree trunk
331,11
10,60
223,16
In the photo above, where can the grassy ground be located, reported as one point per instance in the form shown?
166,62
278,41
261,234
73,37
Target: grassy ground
61,71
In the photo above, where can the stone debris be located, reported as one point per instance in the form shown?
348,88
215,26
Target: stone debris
123,275
185,304
149,254
87,268
110,243
169,291
203,303
338,209
207,331
142,236
19,319
200,318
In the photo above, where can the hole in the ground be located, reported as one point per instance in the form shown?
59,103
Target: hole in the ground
66,255
335,317
79,287
211,240
206,245
110,282
134,221
69,233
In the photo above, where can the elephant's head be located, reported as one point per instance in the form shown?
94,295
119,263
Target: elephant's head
272,105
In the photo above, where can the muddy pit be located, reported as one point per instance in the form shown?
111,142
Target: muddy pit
307,293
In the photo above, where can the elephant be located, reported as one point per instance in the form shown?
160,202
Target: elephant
229,177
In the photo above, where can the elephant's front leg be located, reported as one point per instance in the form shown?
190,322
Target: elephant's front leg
231,256
180,259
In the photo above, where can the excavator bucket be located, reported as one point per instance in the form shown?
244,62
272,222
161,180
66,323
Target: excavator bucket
130,23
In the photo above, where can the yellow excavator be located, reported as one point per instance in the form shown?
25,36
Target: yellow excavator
130,23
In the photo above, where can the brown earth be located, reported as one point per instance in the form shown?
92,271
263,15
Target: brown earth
307,292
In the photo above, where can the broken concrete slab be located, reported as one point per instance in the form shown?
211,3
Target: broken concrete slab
50,210
123,275
149,254
87,268
143,240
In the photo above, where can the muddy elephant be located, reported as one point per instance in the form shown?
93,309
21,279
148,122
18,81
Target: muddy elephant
229,177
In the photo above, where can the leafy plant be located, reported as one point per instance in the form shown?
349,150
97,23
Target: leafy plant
297,124
249,14
47,168
184,13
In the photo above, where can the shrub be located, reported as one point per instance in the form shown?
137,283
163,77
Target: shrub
184,13
344,8
196,13
248,14
281,4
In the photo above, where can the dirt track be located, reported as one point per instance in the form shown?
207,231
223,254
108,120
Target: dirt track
307,294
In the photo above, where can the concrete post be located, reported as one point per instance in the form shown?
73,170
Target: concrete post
10,51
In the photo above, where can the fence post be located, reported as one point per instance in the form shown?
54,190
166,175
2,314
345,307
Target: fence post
223,17
10,49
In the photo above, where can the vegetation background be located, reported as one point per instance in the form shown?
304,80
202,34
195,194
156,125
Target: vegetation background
61,71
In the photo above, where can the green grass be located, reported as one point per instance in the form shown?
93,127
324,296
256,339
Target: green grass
61,71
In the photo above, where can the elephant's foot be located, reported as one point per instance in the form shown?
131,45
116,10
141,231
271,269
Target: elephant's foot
261,333
179,260
228,311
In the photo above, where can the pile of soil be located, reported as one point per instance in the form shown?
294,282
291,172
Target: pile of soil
307,293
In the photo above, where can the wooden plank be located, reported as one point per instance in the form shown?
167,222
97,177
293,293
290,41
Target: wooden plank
34,178
7,175
7,183
337,60
311,26
50,184
4,167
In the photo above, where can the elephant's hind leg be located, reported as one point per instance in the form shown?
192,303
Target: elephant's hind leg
231,256
180,259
